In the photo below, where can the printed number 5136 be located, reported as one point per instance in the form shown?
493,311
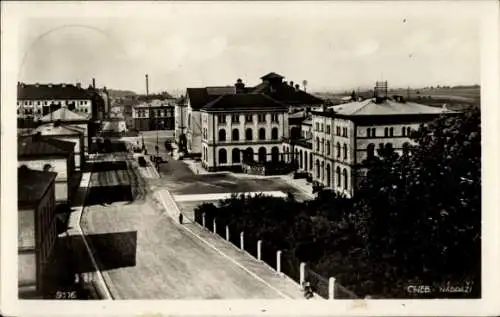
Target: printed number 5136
66,295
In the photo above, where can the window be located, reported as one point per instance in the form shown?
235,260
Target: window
248,118
322,146
274,117
386,132
222,135
317,127
345,151
274,133
261,118
345,179
370,150
408,131
222,156
222,118
262,154
337,130
262,134
236,156
337,174
391,132
321,127
236,135
338,149
327,147
403,131
328,128
248,134
374,132
317,144
368,132
235,118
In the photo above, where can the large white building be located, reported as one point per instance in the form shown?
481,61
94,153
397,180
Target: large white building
242,127
346,135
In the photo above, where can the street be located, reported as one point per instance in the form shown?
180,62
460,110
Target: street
143,254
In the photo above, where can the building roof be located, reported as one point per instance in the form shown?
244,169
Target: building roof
51,129
287,94
64,114
199,97
50,91
156,103
272,75
32,185
36,145
387,107
244,102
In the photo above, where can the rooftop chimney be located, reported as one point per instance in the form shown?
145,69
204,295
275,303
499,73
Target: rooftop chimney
291,83
147,85
297,87
240,86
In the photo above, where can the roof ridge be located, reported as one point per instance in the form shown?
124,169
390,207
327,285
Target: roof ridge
365,103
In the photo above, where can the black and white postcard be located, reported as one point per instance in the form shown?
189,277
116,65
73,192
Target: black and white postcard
250,158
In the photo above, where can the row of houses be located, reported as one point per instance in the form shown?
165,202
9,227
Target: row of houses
277,122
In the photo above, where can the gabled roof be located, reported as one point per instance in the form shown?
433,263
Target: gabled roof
32,185
244,102
50,129
38,145
199,97
272,75
387,107
50,91
287,94
64,114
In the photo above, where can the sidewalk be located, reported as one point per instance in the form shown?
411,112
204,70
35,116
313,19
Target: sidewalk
197,169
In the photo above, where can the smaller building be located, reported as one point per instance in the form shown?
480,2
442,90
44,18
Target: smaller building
66,133
154,115
36,228
50,155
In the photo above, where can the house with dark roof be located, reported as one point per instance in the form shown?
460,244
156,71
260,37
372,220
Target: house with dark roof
188,115
36,228
154,114
45,153
242,128
345,137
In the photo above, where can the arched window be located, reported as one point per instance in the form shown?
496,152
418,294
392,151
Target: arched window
249,134
370,150
222,135
262,154
374,132
317,169
236,135
337,175
274,133
317,144
248,155
368,132
328,176
222,156
403,131
391,132
327,147
301,159
235,154
408,131
386,132
345,151
310,160
275,154
338,149
345,179
262,134
322,145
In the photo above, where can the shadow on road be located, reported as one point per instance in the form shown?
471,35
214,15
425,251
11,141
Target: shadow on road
102,195
98,167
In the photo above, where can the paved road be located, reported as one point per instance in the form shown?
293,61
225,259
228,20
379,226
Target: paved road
144,255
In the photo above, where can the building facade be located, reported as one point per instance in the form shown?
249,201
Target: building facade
36,228
242,127
154,115
51,155
345,136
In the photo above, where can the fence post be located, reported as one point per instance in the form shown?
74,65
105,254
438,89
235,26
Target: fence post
203,220
215,226
302,273
331,288
242,241
259,249
227,232
278,261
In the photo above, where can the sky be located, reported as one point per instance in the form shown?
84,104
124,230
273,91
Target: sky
333,47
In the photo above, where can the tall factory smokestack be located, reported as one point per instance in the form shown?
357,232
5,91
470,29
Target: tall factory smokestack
147,85
93,83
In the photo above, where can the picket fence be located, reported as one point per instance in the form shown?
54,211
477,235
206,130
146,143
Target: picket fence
281,261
